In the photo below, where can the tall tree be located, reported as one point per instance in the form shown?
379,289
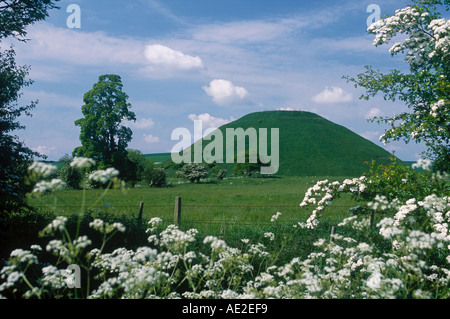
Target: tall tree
15,157
426,88
103,136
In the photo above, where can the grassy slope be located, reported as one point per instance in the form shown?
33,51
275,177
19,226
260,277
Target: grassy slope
158,157
310,145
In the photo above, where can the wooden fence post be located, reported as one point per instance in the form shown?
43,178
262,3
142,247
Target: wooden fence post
141,210
177,211
372,214
333,231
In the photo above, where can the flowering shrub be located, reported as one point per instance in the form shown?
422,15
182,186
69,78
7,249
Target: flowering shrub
404,255
424,33
193,172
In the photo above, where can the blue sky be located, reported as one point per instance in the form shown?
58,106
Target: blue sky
202,59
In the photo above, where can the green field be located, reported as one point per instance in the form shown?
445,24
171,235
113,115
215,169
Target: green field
158,157
231,207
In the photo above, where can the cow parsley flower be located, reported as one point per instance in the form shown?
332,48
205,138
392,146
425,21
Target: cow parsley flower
106,228
103,176
42,168
216,243
275,217
58,224
82,162
45,186
270,236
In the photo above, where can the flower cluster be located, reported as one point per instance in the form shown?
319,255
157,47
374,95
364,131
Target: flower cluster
428,37
82,162
103,176
106,228
423,164
425,43
323,193
345,267
42,169
405,255
48,186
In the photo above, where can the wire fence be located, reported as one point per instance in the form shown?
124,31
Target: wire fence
192,214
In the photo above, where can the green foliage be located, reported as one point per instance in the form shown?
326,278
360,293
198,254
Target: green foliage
247,168
15,156
72,176
399,181
404,255
18,230
103,137
17,15
137,163
425,89
155,176
193,172
218,172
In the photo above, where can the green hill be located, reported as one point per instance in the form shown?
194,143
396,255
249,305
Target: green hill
309,145
158,157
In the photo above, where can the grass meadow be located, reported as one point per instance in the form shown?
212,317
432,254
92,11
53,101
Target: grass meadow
231,209
238,237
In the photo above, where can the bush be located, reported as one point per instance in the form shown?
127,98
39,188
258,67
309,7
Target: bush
193,172
72,176
155,176
398,181
218,172
247,168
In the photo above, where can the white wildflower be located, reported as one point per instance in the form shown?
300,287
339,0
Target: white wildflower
103,176
422,163
42,168
45,186
275,217
82,162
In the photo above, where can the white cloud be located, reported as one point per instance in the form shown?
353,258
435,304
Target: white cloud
80,48
261,30
373,112
161,55
50,43
224,92
332,95
209,121
143,123
44,150
287,109
246,31
150,138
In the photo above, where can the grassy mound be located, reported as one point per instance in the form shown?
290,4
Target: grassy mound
309,145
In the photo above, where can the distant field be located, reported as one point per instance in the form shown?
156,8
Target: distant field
245,202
